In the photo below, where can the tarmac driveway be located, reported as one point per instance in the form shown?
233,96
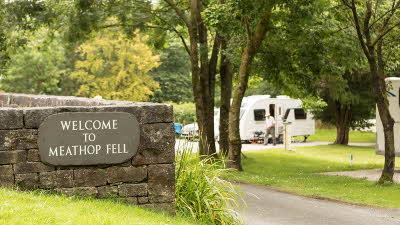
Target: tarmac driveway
270,207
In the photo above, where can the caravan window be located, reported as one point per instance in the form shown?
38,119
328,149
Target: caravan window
300,114
259,114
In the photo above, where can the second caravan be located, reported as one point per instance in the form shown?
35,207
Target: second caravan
255,108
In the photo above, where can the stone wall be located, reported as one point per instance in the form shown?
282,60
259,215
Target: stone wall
147,179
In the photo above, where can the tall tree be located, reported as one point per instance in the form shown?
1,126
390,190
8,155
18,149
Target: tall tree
203,53
350,102
375,24
256,18
220,16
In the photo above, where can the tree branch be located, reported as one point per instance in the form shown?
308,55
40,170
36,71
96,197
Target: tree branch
181,14
261,29
176,32
356,21
382,35
367,18
384,29
172,28
395,6
183,40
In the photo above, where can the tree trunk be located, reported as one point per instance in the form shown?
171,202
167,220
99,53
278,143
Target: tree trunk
342,135
379,84
226,74
235,142
203,70
388,124
253,43
343,119
203,77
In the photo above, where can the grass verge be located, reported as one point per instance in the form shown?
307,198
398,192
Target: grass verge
330,135
298,172
20,208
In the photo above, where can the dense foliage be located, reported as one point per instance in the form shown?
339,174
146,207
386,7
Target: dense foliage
71,26
116,67
36,67
173,75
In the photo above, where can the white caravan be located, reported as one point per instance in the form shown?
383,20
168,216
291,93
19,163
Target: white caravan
393,95
255,108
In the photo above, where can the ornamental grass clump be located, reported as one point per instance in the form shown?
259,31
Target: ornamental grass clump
200,193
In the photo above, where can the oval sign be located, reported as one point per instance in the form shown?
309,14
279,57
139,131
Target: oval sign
88,138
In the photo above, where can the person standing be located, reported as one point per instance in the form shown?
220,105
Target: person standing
270,129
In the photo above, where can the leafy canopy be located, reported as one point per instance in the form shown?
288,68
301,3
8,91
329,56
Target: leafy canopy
37,67
116,67
173,75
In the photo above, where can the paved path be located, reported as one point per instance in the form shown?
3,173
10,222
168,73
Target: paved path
371,175
269,207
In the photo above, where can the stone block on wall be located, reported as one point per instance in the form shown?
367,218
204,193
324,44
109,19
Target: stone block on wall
161,183
11,118
11,157
33,155
126,174
27,180
130,190
18,139
32,167
90,177
57,179
157,143
107,191
6,175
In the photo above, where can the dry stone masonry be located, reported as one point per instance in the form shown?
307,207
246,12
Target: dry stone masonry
147,178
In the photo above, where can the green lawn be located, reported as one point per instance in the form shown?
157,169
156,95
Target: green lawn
330,135
18,207
298,172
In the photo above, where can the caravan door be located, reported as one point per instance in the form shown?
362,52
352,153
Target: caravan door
276,111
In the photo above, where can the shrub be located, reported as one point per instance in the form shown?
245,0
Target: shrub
200,193
184,113
115,66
